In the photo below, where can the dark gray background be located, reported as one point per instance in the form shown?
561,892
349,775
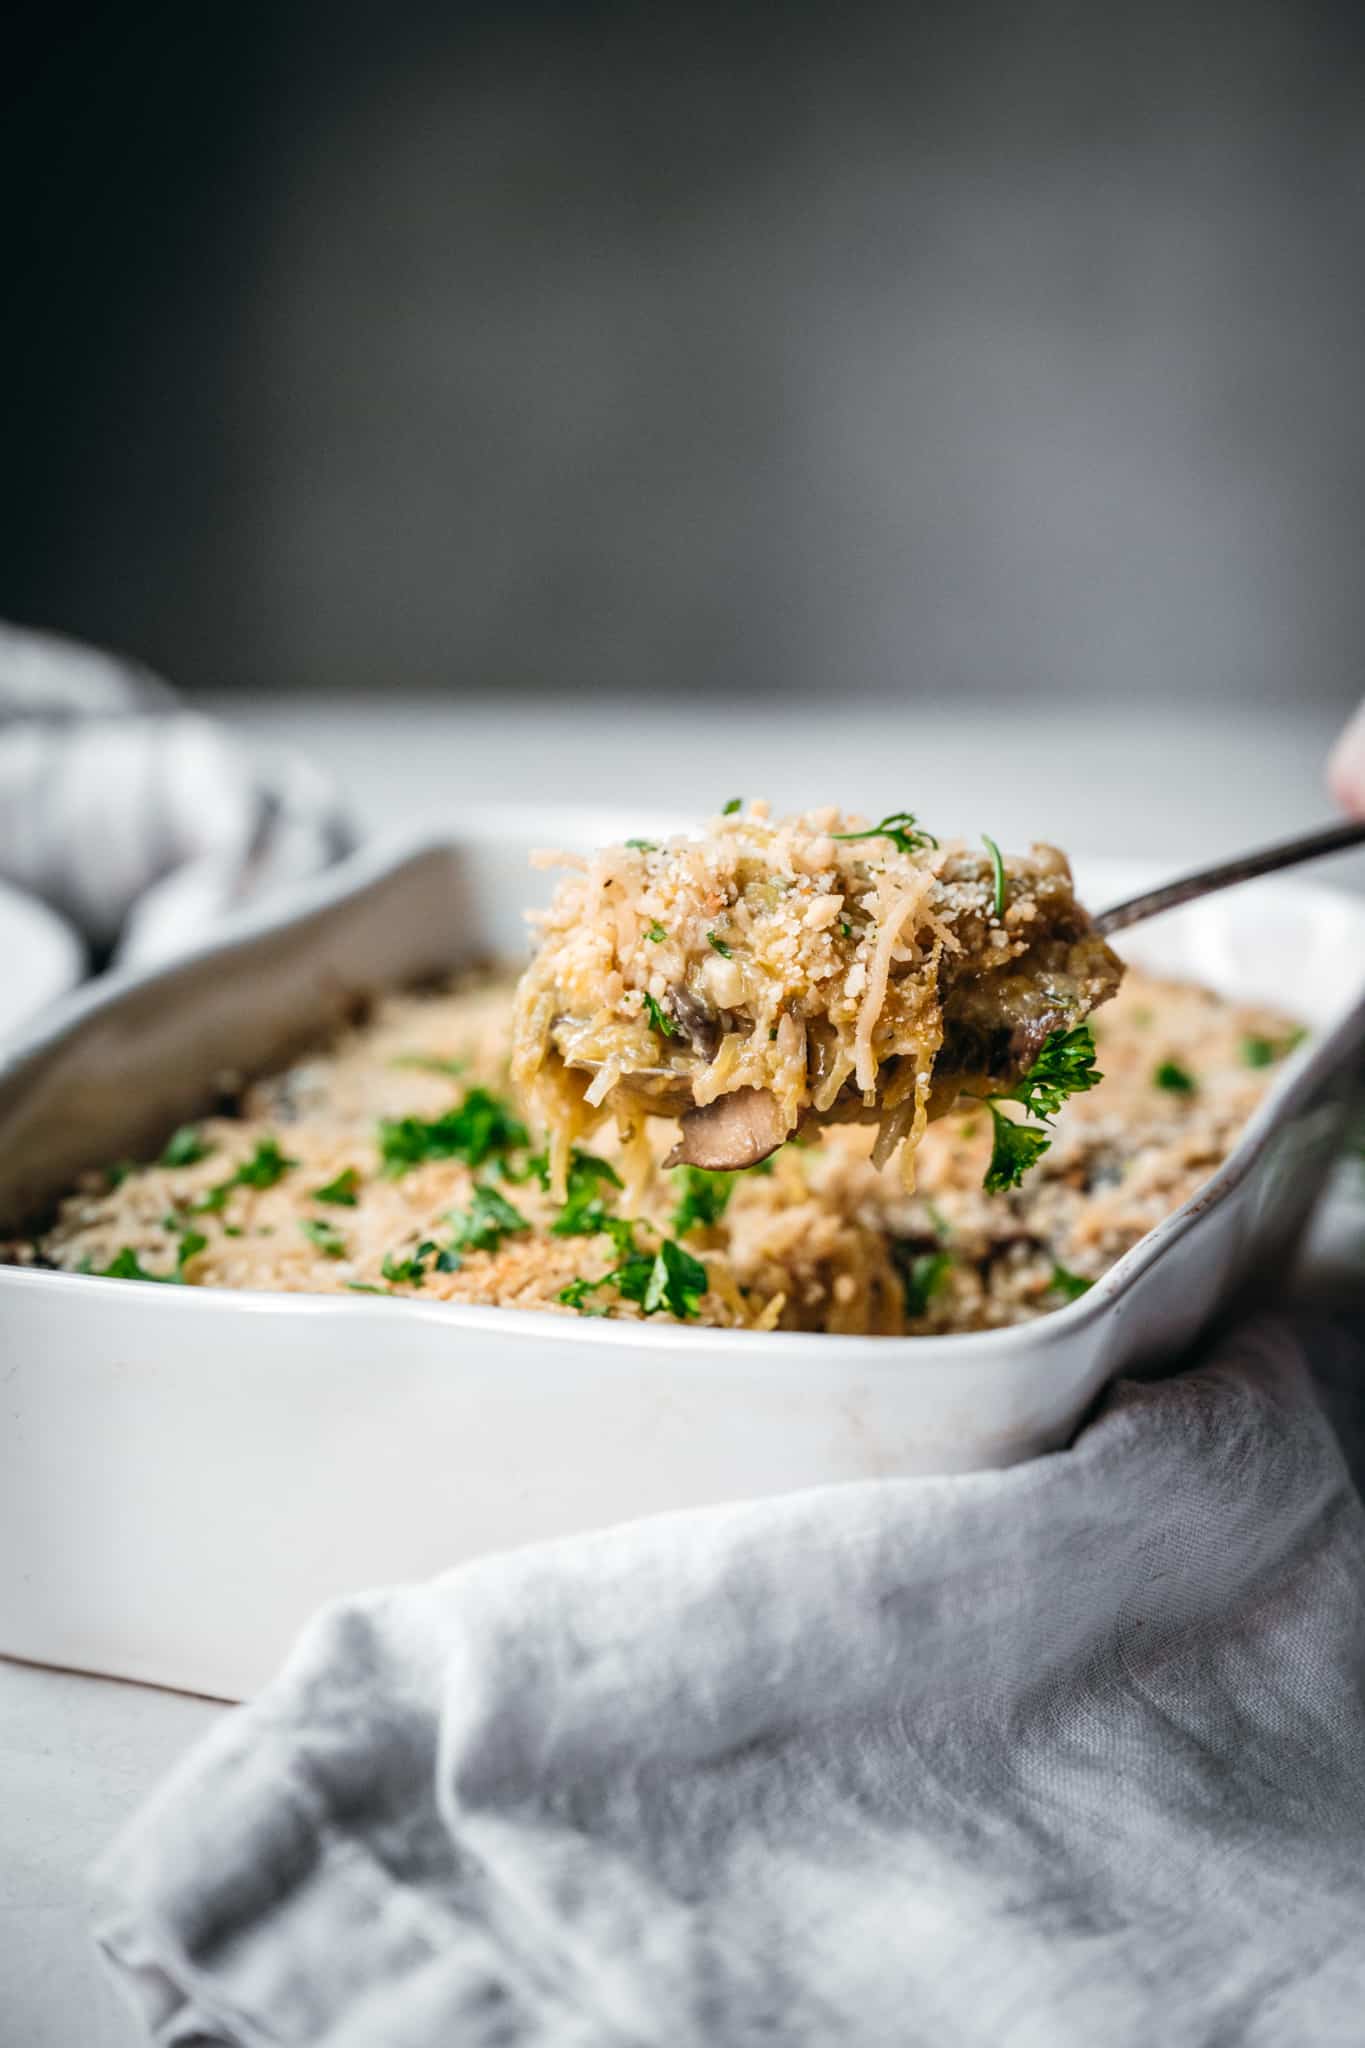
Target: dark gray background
841,351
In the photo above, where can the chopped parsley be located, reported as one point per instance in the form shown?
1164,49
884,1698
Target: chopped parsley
480,1126
704,1198
1174,1078
656,935
411,1271
185,1147
1015,1148
117,1174
662,1024
324,1235
670,1279
341,1190
427,1063
845,928
482,1227
942,1228
1065,1066
126,1265
1072,1285
923,1275
900,827
266,1165
583,1213
998,870
365,1287
718,945
1263,1052
736,803
644,845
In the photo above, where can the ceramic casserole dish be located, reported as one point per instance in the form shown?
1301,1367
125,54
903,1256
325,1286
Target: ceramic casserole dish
185,1473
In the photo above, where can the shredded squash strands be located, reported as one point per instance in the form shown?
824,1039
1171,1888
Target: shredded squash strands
837,970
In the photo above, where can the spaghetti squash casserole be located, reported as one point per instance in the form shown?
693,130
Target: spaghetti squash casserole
774,974
394,1160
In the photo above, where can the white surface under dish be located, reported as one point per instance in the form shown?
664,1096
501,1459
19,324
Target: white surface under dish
40,959
186,1473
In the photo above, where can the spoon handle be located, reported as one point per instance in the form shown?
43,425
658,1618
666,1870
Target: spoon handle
1310,846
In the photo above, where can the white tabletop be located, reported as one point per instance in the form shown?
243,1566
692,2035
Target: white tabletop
77,1755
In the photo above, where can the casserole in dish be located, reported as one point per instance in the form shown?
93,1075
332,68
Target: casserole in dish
185,1473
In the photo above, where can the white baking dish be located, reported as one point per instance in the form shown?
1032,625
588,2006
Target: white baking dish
186,1473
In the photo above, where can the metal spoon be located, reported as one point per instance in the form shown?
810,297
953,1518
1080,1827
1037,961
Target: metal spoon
1309,846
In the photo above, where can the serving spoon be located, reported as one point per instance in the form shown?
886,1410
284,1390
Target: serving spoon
1226,874
733,1132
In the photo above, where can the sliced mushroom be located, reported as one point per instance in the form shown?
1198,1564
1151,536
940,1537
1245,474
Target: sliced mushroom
734,1131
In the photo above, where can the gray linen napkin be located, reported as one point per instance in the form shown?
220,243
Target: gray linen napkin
140,822
1069,1753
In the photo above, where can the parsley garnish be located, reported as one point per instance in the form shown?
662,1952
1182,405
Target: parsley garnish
128,1266
656,935
1174,1078
1065,1066
365,1287
481,1125
1015,1149
117,1174
998,868
718,945
1072,1285
1263,1052
704,1198
482,1227
341,1190
900,827
671,1279
324,1235
583,1214
411,1271
845,928
428,1063
736,803
266,1165
644,845
185,1147
661,1023
923,1275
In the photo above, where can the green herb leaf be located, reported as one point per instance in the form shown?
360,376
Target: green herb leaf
583,1214
718,945
341,1190
411,1271
1174,1078
324,1235
704,1198
1015,1149
998,868
480,1126
736,803
900,827
644,845
365,1287
923,1275
656,935
662,1024
845,928
266,1165
128,1266
677,1282
1257,1052
482,1227
185,1147
1072,1285
1065,1066
117,1174
428,1063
